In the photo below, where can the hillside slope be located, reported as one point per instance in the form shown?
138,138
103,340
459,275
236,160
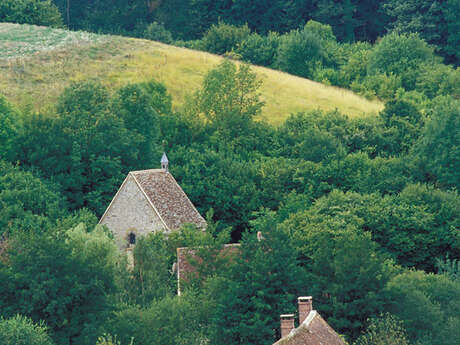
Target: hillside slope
37,63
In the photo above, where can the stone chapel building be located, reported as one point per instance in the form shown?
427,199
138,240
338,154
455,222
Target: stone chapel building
149,201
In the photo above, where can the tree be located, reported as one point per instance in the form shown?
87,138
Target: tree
229,100
222,181
346,270
27,203
276,15
263,283
433,20
157,32
223,38
20,330
427,304
438,148
299,52
84,148
135,106
259,50
384,330
64,280
173,320
401,55
36,12
403,124
453,29
151,278
414,227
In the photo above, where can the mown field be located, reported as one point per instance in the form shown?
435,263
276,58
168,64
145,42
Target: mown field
37,63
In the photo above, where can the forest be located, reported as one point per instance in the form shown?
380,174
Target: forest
362,212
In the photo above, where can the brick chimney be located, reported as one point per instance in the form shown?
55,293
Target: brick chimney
305,307
287,324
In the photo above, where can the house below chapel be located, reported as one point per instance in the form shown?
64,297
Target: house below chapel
149,201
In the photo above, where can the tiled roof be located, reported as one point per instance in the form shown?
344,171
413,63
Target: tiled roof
185,270
168,198
313,331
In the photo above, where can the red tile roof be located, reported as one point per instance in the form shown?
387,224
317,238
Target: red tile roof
313,331
168,198
186,270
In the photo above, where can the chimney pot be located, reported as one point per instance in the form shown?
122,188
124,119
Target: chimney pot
287,324
305,307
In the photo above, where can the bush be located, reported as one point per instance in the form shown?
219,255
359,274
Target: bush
259,50
63,279
169,321
36,12
356,62
26,201
157,32
403,124
439,80
438,148
428,306
383,85
322,31
385,330
20,330
400,55
299,53
222,38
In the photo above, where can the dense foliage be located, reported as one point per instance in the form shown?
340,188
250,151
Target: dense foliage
351,20
361,213
37,12
19,330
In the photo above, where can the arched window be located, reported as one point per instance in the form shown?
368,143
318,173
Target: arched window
132,238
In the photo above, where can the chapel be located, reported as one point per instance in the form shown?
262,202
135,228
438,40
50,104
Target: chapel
149,201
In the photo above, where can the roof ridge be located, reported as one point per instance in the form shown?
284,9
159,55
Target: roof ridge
148,170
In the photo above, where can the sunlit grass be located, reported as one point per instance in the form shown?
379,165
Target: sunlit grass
47,61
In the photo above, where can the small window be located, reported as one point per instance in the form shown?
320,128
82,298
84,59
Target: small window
132,238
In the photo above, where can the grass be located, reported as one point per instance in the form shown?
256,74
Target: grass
37,63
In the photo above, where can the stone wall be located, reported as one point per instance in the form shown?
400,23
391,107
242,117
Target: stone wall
131,212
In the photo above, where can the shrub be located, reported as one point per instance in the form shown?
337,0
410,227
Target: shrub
157,32
26,201
385,330
37,12
438,148
20,330
383,85
428,306
439,80
322,31
222,38
400,55
172,320
355,66
259,50
328,76
299,52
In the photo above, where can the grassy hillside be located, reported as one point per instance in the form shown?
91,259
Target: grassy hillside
37,63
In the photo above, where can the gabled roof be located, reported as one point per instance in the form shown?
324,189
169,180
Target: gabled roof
168,199
313,331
